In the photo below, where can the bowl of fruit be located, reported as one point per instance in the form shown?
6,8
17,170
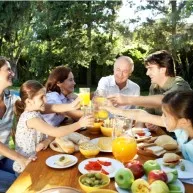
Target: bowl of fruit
93,181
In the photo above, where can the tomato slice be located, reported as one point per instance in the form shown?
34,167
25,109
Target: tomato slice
87,167
104,172
93,166
104,163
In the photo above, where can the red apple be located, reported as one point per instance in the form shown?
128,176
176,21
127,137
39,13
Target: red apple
136,167
157,175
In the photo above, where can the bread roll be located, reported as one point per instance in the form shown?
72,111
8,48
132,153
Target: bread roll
66,145
171,159
166,142
78,138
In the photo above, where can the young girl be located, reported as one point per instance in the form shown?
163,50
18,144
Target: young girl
177,116
31,127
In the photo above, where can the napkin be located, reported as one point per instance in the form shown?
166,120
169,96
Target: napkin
187,181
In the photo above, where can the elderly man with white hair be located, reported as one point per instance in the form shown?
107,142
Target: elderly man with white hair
119,82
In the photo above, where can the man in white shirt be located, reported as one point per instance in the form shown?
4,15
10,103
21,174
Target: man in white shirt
119,82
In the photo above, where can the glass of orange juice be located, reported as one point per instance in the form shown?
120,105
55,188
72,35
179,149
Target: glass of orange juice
84,94
124,145
99,100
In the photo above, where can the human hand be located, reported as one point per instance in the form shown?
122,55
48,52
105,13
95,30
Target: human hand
43,145
24,161
86,121
118,99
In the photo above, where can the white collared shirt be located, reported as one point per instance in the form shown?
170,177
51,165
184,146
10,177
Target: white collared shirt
55,98
108,83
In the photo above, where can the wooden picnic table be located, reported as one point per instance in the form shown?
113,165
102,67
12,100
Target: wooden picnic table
38,176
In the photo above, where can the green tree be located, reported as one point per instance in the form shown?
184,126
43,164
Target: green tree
171,31
15,20
73,33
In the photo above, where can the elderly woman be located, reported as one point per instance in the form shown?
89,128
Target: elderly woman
60,88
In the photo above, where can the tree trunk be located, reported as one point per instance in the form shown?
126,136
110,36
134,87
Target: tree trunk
174,19
89,77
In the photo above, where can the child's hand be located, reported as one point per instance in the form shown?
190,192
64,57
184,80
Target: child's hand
23,161
43,145
86,121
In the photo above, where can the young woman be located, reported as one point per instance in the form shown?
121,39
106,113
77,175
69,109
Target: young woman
177,117
59,89
31,126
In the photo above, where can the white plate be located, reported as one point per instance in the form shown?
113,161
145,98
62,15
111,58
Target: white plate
188,173
115,165
51,161
177,183
95,141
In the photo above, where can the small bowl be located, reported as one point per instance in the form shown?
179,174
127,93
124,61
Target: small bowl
89,187
106,131
89,149
96,128
103,191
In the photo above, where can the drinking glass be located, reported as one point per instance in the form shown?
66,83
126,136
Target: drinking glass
84,94
124,146
100,100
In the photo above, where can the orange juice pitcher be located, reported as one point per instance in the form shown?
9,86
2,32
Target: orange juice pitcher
124,145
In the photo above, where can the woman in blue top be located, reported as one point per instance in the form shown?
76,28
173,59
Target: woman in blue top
60,90
177,117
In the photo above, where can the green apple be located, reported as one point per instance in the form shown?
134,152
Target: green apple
124,178
151,165
139,186
174,187
172,176
159,186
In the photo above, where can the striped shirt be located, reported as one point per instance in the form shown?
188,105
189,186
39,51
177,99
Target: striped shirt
7,120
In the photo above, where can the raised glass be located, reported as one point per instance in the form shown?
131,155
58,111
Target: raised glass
84,94
99,100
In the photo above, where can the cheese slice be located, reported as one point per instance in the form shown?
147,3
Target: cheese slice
63,161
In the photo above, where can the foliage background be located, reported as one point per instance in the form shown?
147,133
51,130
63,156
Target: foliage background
85,35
